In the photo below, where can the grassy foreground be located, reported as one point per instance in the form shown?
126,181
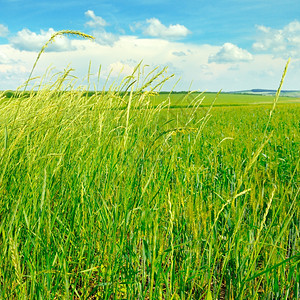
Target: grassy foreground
110,197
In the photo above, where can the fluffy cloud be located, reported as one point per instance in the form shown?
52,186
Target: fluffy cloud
118,68
31,41
105,38
280,42
4,59
95,20
101,35
3,30
208,67
14,66
230,53
156,29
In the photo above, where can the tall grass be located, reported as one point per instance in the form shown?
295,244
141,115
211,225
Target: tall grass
110,197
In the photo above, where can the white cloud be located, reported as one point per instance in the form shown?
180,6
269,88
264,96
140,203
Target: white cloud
96,21
31,41
263,29
179,53
102,37
280,42
14,66
118,68
157,29
4,59
3,30
230,53
264,71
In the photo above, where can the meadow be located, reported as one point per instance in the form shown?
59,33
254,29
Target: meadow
141,195
184,99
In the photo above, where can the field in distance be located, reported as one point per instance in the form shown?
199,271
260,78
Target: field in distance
186,99
183,99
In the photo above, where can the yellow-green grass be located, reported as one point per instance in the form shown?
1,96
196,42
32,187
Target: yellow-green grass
149,203
101,200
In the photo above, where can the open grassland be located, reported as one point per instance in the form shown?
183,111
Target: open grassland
187,99
183,99
114,196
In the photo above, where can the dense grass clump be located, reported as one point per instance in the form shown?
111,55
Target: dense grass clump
110,197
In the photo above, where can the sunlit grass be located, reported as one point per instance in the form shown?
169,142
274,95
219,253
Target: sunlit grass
112,197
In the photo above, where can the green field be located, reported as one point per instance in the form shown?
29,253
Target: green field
141,196
187,99
183,99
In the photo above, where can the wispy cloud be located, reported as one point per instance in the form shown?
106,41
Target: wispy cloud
3,30
103,37
179,53
230,53
280,42
95,20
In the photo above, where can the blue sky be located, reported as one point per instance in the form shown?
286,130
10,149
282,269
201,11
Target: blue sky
223,44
